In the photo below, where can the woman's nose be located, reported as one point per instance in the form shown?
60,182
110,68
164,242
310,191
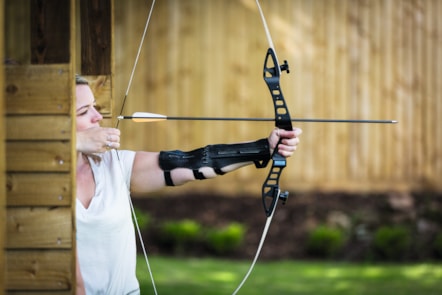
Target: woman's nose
97,116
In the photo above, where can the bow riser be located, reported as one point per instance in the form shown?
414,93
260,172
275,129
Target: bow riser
271,74
270,188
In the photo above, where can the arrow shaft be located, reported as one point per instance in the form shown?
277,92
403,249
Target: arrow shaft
153,118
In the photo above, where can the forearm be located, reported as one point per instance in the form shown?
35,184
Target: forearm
152,171
210,161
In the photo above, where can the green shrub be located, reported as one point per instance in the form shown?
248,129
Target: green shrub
325,241
392,242
437,245
181,234
226,239
143,218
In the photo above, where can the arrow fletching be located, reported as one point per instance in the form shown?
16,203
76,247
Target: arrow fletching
142,117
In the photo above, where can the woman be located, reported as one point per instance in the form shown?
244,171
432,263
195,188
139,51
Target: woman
106,177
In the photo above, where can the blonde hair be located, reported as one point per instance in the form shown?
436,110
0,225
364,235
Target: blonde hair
80,80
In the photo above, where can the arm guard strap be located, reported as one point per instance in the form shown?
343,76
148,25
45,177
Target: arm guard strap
215,156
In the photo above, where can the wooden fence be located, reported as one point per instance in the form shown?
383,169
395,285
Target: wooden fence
349,59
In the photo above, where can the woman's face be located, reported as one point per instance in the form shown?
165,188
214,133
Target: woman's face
87,115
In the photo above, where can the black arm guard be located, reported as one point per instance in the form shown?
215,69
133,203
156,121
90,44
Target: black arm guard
215,156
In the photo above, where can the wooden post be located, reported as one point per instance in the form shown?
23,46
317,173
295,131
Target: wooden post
2,157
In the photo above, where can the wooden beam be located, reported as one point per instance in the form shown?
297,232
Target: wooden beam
38,128
38,156
39,228
38,189
35,89
39,270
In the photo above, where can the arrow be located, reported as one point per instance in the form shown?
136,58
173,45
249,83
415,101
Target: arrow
141,117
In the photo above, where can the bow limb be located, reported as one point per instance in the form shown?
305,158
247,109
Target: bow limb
270,188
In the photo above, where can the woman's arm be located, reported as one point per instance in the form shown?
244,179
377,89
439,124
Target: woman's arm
152,171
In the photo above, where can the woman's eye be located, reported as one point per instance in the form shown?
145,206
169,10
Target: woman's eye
82,113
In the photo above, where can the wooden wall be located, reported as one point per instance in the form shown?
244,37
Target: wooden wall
57,40
40,147
362,59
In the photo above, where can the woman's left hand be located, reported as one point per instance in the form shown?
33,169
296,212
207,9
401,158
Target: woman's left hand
289,141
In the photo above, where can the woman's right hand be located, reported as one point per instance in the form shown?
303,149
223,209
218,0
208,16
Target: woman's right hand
97,140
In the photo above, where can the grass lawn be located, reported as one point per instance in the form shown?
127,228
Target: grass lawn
192,276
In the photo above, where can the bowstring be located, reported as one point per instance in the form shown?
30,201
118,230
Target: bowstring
261,243
270,217
129,84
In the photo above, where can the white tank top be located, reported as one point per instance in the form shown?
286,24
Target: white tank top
106,244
